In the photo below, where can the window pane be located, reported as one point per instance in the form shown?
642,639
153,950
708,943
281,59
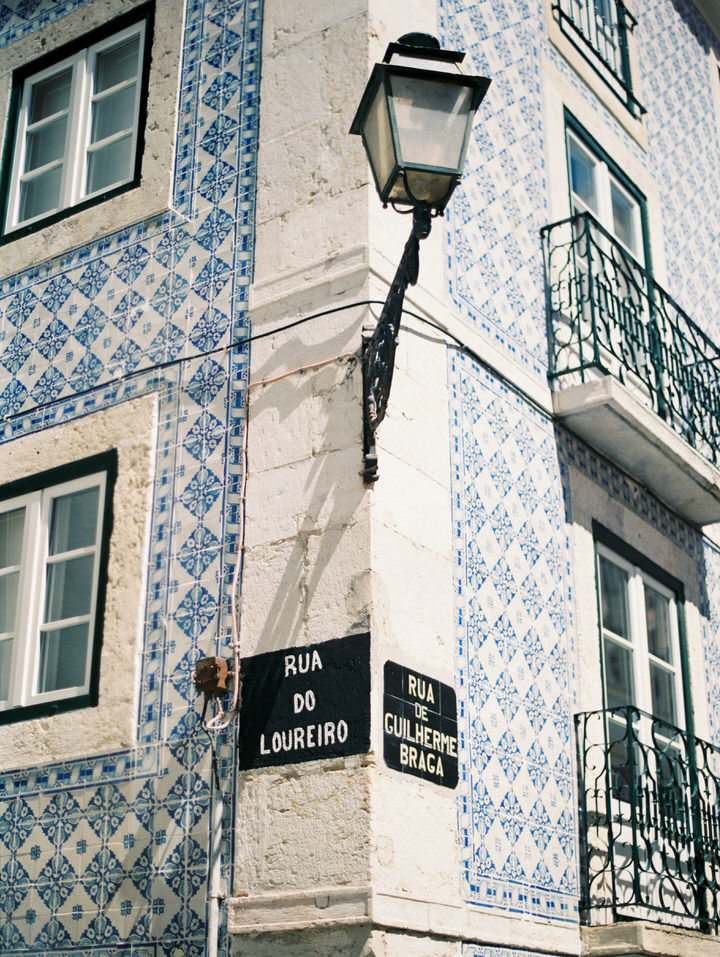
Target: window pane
41,194
110,165
50,96
619,686
621,738
74,521
613,591
657,614
5,655
69,590
431,120
116,65
8,601
602,9
113,114
624,213
46,144
663,693
11,536
63,653
582,177
378,137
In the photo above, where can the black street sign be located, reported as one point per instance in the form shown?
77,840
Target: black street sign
420,726
303,704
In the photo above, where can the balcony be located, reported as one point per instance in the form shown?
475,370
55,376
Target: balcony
631,372
598,29
650,822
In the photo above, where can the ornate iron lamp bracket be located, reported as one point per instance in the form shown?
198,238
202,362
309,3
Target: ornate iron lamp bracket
379,346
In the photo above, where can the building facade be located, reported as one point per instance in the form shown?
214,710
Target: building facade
479,701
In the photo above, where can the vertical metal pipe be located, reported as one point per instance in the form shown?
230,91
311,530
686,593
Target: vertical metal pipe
216,892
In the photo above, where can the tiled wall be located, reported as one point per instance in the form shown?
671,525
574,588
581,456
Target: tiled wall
514,578
112,851
494,262
684,137
514,648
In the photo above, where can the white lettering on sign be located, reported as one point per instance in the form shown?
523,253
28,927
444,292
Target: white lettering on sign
304,702
302,663
416,758
300,738
420,734
419,688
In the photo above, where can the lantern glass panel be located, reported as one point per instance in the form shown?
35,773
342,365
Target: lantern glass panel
378,139
431,118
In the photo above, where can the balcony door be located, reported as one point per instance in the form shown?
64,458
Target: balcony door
649,758
640,640
613,298
596,189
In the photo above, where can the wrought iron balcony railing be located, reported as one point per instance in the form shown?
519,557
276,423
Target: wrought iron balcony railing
650,821
608,316
599,29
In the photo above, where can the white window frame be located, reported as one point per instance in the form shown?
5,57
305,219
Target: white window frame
604,182
34,562
637,644
78,148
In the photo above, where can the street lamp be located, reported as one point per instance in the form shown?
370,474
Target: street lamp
414,118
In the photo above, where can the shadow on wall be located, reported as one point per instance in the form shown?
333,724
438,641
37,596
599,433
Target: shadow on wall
309,541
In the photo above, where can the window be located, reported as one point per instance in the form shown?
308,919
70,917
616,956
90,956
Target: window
78,127
642,666
612,301
596,187
54,531
640,639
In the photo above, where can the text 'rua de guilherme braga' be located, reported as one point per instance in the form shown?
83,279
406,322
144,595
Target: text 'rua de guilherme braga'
420,725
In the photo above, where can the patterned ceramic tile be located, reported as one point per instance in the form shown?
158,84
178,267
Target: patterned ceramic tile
112,852
711,638
517,825
678,87
494,262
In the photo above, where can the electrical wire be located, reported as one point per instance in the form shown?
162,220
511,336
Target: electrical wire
179,360
247,340
223,719
300,369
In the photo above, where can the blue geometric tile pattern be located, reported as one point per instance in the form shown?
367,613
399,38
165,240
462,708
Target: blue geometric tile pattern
711,637
109,854
494,258
494,263
678,87
516,797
